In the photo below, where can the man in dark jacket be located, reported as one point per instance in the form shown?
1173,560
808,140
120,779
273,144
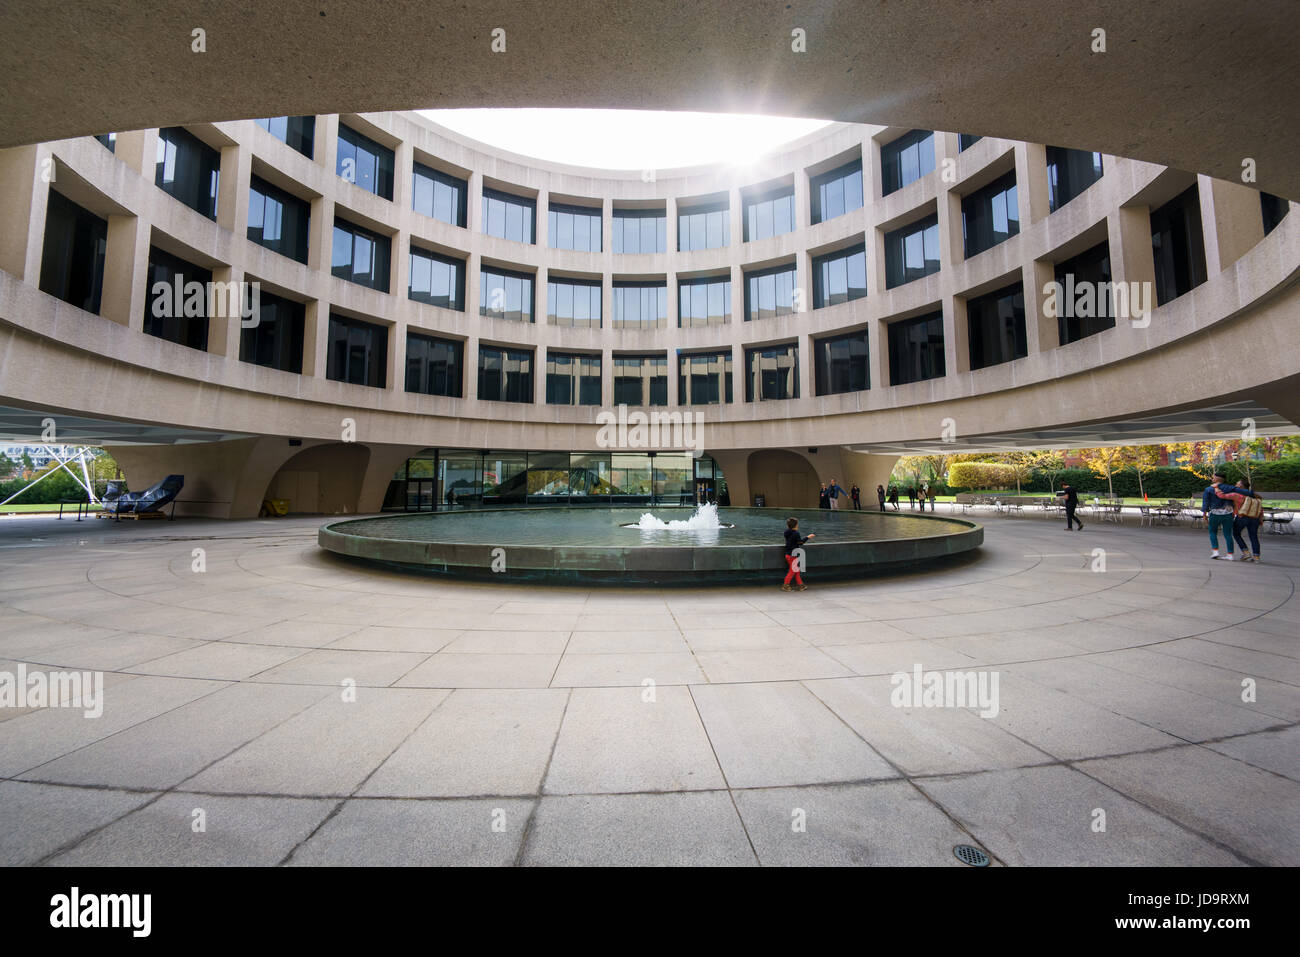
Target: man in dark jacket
1071,503
1218,512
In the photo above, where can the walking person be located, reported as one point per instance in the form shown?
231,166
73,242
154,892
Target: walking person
834,491
931,491
911,496
1071,503
855,494
793,540
1247,511
880,494
1217,510
824,497
893,496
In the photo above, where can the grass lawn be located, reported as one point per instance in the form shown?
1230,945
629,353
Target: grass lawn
30,509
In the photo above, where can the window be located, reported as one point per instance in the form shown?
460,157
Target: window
278,220
916,349
109,140
360,256
704,378
642,305
641,380
839,276
573,302
640,231
906,160
1178,245
299,132
572,379
840,364
364,163
837,192
276,340
72,258
507,216
769,292
188,170
772,373
176,300
995,327
1069,173
912,251
437,280
704,227
965,141
505,295
358,352
704,302
433,366
990,215
505,375
1273,208
439,195
1083,303
769,214
573,227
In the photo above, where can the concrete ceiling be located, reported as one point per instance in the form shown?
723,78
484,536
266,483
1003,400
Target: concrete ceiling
1198,85
26,426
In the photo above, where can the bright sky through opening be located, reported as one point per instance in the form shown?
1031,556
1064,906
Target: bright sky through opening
627,139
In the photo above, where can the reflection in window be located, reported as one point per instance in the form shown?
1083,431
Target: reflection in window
360,256
437,280
769,214
505,375
640,230
276,340
508,216
506,295
906,160
433,366
187,326
995,325
439,195
704,302
278,220
1069,173
1178,245
573,302
840,364
990,215
912,251
188,169
703,378
769,292
641,380
916,349
1078,318
298,132
72,259
573,227
572,379
837,192
365,163
358,352
772,373
640,305
839,276
704,227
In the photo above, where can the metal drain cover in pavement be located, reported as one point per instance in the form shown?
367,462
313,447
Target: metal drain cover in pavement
971,855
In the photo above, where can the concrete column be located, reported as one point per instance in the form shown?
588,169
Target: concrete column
396,357
876,261
20,186
541,207
315,335
952,244
326,146
139,150
232,189
735,469
878,354
804,356
126,271
802,200
736,207
1042,331
866,471
403,173
1031,183
399,275
225,323
471,368
956,339
1131,256
1231,221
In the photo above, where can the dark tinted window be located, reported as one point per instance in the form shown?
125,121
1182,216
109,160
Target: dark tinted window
358,352
507,216
841,363
439,195
837,192
704,378
433,366
965,141
572,379
72,258
573,302
769,292
990,215
772,373
188,169
640,380
360,256
298,132
1178,246
109,140
176,300
912,251
278,220
906,160
505,295
276,339
995,326
1273,208
365,163
839,276
916,349
1069,173
1083,294
505,375
437,280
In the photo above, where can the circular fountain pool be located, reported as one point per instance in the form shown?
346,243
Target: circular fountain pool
616,546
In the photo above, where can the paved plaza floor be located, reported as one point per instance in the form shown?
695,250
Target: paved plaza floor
266,703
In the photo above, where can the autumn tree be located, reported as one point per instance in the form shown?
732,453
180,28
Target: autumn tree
1105,462
1142,459
1051,463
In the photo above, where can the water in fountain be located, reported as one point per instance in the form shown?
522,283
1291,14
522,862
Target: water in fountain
705,519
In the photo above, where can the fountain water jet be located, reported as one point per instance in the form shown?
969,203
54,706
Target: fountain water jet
705,519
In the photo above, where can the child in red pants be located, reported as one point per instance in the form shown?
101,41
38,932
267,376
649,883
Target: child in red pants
793,540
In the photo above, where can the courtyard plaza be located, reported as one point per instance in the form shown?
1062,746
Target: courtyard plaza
266,703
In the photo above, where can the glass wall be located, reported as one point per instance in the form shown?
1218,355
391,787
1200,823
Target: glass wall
704,227
912,251
365,163
916,349
276,340
906,160
109,140
840,363
436,279
995,326
1272,209
1069,173
640,230
1079,318
433,366
505,295
439,195
358,352
769,213
508,216
573,302
703,378
278,220
1178,245
840,276
641,380
443,479
837,192
640,305
572,379
769,292
298,132
966,140
185,323
72,257
573,227
990,215
772,373
505,375
704,302
360,256
188,169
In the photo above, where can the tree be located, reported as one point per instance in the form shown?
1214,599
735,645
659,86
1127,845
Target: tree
1199,458
1019,464
1142,459
28,465
1050,463
1104,462
912,466
938,465
7,465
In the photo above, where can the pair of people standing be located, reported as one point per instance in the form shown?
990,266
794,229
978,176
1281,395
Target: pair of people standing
829,497
1232,509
